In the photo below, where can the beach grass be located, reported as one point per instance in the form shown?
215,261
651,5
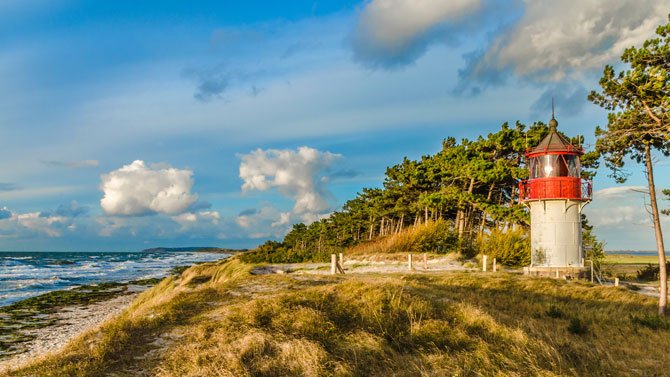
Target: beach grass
217,319
630,259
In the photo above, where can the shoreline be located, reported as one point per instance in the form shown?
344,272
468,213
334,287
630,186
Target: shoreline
37,326
70,322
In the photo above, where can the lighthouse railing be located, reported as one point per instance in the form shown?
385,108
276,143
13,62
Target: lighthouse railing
556,188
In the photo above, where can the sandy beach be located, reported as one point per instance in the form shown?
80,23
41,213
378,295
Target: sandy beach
71,322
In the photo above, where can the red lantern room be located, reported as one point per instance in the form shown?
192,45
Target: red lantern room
555,171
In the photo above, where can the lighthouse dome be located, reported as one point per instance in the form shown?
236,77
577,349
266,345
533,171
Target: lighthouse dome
554,142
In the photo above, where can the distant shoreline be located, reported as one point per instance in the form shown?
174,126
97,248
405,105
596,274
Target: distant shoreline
193,250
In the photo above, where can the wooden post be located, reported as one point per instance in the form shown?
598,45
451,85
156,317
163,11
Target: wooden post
616,282
342,261
591,270
425,261
333,264
495,267
484,264
558,274
409,262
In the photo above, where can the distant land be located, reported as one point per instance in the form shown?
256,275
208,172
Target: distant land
206,249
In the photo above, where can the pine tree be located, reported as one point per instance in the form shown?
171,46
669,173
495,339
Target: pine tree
639,121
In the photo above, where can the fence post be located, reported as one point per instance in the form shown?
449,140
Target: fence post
333,264
342,261
409,262
591,270
425,261
495,267
616,282
558,274
484,264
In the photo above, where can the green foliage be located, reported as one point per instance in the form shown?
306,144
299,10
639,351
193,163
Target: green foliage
651,272
511,248
555,312
471,185
577,327
594,248
280,252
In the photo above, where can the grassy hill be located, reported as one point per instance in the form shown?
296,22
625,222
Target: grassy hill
217,319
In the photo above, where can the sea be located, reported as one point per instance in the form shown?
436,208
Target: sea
27,274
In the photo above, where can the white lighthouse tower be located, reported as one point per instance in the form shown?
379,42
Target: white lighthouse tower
556,195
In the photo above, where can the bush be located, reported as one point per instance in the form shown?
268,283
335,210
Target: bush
279,252
555,312
511,248
651,272
577,327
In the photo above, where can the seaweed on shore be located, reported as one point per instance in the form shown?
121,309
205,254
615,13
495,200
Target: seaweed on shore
37,312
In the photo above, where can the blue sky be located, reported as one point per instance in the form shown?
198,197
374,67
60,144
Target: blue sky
128,125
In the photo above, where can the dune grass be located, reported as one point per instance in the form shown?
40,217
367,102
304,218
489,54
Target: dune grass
217,320
433,236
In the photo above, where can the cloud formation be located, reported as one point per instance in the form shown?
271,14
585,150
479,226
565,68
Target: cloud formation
138,189
72,164
295,174
558,39
618,192
74,209
396,32
51,225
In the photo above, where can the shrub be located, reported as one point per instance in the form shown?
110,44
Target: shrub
511,248
279,252
577,327
651,272
555,312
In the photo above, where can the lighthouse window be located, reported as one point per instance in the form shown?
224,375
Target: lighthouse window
554,165
574,167
550,165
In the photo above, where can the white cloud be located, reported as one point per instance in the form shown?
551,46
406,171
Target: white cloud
619,192
213,216
284,219
555,39
295,174
136,189
395,31
51,225
615,216
200,221
268,221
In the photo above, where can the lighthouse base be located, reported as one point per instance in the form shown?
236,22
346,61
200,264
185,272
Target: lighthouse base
558,272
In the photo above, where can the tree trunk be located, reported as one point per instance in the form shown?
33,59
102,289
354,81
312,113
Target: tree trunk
663,274
488,198
372,227
381,227
461,225
426,213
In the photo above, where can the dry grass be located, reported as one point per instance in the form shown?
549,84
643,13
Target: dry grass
457,324
433,236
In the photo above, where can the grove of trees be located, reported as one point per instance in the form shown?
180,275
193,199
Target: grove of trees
472,185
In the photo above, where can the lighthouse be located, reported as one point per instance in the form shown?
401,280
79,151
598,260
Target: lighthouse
556,195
